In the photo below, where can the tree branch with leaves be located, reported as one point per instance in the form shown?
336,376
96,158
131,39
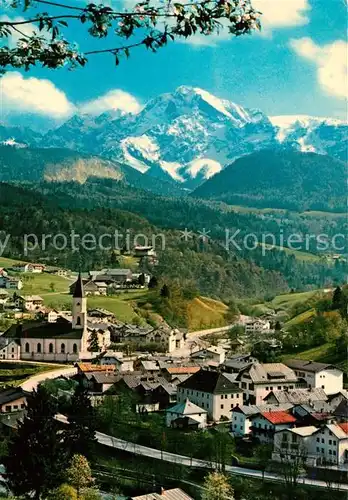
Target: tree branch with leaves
149,24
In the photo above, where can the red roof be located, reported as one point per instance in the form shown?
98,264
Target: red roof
279,417
344,427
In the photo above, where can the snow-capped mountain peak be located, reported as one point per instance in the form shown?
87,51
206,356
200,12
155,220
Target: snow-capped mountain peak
190,134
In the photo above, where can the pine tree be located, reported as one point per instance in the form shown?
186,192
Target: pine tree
141,279
337,298
165,292
79,473
36,457
80,434
94,342
153,283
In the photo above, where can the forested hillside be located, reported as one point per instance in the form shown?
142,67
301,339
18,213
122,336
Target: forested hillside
208,268
102,205
280,179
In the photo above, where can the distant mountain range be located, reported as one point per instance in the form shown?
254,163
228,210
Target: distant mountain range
280,179
186,136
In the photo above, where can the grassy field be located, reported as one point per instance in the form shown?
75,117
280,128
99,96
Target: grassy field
44,284
14,374
206,313
288,300
5,262
300,318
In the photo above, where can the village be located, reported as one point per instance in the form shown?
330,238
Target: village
295,408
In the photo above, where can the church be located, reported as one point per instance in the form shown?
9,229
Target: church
59,341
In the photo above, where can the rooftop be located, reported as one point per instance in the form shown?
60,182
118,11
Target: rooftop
62,329
211,382
186,408
278,417
181,370
89,367
269,372
11,394
297,396
308,366
304,431
31,298
175,494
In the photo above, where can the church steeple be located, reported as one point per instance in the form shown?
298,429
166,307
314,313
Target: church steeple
79,306
79,291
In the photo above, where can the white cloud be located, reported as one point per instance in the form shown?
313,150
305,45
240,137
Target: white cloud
113,100
19,94
33,95
282,13
331,63
27,29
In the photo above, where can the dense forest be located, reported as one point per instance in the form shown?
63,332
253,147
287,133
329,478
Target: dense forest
103,206
280,178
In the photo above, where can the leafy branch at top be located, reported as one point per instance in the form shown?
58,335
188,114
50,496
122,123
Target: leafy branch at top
148,25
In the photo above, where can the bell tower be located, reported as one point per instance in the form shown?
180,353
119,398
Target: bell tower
79,306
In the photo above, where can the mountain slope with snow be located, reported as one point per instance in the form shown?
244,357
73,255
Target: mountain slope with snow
189,135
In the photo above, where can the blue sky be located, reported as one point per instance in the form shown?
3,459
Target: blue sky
297,66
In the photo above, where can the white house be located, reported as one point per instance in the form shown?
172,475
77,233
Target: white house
266,423
255,325
212,353
11,283
31,303
28,268
322,375
215,392
242,416
296,443
325,445
9,348
186,414
258,380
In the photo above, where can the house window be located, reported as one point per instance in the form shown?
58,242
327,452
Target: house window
22,405
78,320
318,449
27,347
279,387
38,349
322,450
12,349
62,348
323,386
75,348
323,440
266,388
7,408
226,396
318,440
50,348
231,405
330,441
330,452
222,407
232,396
334,452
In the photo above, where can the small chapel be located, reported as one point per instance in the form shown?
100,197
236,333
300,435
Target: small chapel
64,340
